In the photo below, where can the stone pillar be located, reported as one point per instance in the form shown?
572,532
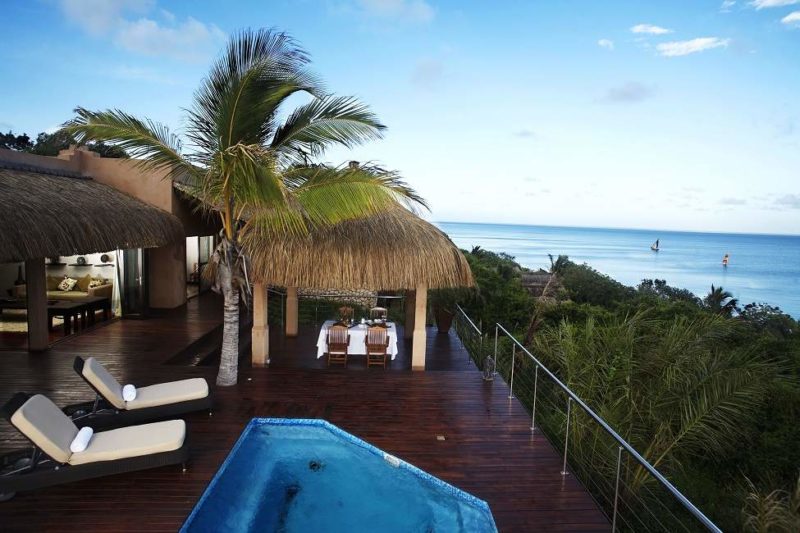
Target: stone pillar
260,331
408,330
291,311
420,338
36,289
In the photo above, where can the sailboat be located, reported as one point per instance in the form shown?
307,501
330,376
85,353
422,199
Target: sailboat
654,246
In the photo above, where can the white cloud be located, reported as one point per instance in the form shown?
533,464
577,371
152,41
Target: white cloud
427,72
692,46
99,17
792,19
525,133
761,4
629,93
189,40
650,29
727,5
418,11
608,44
788,201
733,201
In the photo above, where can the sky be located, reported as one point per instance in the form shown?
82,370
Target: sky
671,114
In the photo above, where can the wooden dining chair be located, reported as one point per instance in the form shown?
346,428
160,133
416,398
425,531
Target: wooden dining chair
378,312
377,341
338,341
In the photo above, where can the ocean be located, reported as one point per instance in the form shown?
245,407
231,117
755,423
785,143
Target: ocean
762,268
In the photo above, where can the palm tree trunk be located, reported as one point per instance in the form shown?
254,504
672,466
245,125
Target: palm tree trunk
229,358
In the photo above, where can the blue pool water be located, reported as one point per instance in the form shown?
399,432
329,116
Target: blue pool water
293,475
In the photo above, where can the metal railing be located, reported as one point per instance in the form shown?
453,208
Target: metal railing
634,494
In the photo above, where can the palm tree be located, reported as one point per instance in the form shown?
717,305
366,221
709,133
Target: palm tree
721,302
250,167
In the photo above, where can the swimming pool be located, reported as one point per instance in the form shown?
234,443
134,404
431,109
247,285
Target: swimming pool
294,475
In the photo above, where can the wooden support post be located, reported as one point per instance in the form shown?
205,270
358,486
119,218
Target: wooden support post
260,332
291,311
36,289
408,330
420,337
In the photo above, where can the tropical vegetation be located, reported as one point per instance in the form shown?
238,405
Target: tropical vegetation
705,389
252,160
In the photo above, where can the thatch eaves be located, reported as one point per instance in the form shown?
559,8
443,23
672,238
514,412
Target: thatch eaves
45,213
390,251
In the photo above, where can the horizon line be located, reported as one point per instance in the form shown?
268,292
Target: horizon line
618,228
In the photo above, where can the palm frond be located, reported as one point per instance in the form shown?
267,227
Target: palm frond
150,143
323,122
331,195
238,101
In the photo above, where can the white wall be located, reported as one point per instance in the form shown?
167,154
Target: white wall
76,272
192,249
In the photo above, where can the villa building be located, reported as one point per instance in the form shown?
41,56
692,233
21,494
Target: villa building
124,235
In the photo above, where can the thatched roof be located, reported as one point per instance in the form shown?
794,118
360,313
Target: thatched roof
391,251
45,213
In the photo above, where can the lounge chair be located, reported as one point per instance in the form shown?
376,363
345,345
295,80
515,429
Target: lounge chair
154,402
108,452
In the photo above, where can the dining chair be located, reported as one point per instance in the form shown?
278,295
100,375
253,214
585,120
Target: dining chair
338,341
377,341
378,312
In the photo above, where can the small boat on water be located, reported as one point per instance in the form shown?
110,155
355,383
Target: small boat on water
655,245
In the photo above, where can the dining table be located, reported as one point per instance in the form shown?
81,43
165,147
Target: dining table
358,335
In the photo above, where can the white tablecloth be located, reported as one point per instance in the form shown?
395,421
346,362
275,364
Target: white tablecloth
358,335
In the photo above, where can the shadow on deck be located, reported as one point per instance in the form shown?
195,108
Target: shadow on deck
488,449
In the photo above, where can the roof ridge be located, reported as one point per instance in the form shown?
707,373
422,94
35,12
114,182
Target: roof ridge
12,165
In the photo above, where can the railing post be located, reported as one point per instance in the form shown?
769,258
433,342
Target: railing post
566,437
533,409
495,349
616,489
513,360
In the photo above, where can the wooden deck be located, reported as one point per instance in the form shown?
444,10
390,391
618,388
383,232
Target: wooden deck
489,450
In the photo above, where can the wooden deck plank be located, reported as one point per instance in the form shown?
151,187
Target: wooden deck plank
489,450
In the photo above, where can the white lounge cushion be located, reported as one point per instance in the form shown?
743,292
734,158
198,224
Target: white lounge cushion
128,393
42,421
104,382
168,393
81,440
132,441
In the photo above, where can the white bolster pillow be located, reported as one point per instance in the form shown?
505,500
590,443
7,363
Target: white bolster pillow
129,393
81,440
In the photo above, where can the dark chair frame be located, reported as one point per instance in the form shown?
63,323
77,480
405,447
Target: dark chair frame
102,414
41,470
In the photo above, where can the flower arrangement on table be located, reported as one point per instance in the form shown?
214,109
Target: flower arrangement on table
345,313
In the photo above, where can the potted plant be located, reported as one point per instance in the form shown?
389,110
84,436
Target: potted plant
443,302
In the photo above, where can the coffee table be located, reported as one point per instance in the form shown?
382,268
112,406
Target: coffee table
70,310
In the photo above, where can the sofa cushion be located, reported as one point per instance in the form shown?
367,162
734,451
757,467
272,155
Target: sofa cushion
67,284
66,295
53,281
83,283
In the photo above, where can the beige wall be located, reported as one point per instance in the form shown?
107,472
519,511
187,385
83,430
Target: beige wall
167,265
